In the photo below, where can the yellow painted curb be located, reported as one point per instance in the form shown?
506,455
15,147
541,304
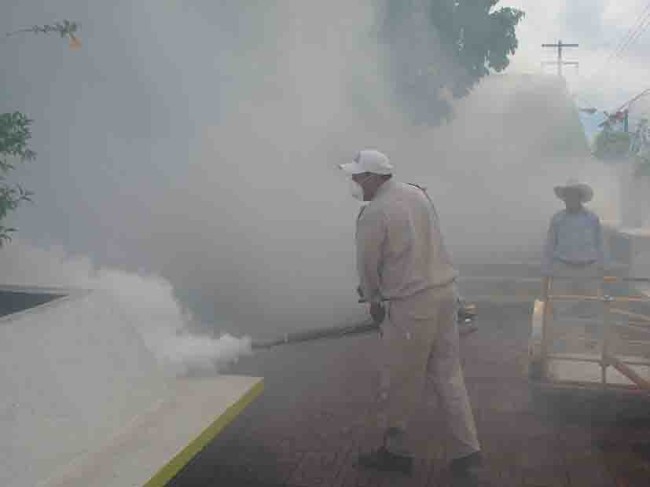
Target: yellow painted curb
166,473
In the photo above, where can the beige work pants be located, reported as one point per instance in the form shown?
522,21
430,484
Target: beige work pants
575,281
419,347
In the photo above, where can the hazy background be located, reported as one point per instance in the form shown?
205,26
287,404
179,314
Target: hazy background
198,141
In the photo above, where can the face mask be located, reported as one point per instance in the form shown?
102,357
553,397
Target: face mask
356,190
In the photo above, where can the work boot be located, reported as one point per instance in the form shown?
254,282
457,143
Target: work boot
384,460
464,470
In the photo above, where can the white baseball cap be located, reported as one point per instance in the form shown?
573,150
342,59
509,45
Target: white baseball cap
368,160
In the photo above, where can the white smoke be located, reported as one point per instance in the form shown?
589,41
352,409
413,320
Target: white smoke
146,301
234,195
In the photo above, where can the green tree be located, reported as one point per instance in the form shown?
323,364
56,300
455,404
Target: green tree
434,47
612,145
15,134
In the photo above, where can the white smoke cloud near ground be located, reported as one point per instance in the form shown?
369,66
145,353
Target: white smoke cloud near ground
146,301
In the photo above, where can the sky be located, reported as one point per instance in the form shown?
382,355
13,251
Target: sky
199,139
598,26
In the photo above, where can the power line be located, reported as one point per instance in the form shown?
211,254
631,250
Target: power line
628,39
632,34
642,30
633,99
636,35
622,113
633,31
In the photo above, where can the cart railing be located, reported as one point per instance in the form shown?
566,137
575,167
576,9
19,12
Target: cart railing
637,323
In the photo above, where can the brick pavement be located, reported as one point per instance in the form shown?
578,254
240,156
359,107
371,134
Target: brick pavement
311,422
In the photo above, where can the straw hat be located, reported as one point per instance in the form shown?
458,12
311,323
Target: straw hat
586,193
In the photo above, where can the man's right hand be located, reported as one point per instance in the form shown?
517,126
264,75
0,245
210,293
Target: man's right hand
378,313
360,292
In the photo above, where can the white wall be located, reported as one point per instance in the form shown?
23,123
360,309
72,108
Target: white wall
73,372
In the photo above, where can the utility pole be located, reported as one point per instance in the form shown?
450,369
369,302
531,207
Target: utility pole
560,62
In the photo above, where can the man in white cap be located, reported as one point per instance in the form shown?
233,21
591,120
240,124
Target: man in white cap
408,280
574,245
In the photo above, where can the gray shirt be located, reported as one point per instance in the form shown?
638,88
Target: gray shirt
573,238
400,249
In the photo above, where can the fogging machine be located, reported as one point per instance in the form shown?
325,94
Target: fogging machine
466,316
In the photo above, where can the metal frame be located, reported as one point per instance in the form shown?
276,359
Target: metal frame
541,356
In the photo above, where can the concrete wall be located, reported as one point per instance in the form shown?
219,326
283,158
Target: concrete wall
73,372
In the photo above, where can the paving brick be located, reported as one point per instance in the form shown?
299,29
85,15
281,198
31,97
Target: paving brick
315,417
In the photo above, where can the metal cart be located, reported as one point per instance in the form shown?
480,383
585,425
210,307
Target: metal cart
606,352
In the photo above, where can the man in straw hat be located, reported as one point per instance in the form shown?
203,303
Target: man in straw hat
574,245
408,279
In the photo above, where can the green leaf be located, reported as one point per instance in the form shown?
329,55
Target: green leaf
14,138
468,38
